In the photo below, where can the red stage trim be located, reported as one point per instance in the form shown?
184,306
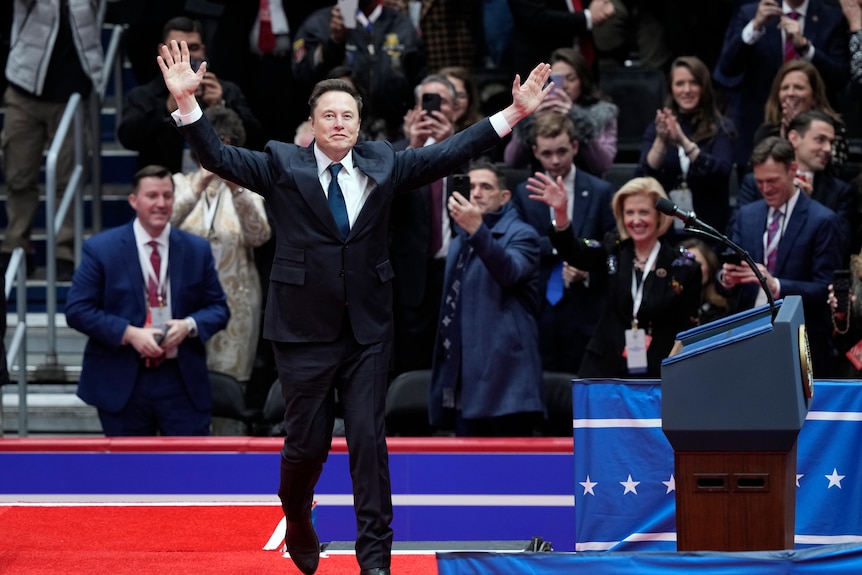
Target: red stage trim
534,445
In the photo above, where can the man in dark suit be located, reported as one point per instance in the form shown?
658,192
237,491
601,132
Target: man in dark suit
570,309
146,124
812,135
147,317
329,310
420,236
796,241
542,26
760,37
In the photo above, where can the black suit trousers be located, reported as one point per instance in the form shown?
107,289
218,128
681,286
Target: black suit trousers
309,374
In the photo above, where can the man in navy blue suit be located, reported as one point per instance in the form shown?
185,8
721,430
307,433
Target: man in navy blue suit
148,297
812,135
756,46
329,310
569,312
796,242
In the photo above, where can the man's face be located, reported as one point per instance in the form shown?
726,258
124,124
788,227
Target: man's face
814,149
556,154
153,203
197,49
335,123
447,106
775,181
485,191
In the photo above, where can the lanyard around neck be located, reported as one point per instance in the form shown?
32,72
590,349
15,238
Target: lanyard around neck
638,286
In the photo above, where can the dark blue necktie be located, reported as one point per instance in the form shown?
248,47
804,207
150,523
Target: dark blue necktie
336,202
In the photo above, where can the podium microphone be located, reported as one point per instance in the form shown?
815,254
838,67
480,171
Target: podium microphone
669,208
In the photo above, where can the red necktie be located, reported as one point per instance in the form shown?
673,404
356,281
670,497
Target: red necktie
790,52
436,201
584,42
265,38
153,282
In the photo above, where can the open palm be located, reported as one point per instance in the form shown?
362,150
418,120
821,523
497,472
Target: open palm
179,77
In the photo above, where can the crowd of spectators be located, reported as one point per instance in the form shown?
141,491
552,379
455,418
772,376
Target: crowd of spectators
737,74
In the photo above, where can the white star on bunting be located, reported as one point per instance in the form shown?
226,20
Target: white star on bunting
631,486
588,486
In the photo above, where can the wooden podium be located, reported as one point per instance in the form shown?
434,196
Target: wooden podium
733,402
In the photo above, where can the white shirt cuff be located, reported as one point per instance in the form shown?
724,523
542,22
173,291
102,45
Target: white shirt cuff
589,17
750,35
500,125
185,119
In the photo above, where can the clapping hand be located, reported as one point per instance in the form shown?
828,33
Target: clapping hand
544,189
853,13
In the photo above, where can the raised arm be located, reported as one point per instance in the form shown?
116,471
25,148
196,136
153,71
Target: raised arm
526,97
182,81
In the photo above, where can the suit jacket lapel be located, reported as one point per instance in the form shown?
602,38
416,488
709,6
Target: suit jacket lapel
132,265
580,204
176,257
792,228
375,170
308,185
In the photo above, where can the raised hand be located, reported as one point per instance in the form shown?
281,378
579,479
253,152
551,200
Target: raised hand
526,97
181,80
853,13
544,189
766,10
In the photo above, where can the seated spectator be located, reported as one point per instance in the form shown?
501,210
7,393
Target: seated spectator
713,305
420,234
760,38
466,96
147,296
689,148
595,119
487,375
542,26
813,136
798,87
234,222
653,289
147,126
384,51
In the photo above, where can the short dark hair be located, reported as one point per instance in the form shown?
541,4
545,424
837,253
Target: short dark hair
334,85
773,147
151,171
801,122
181,24
227,124
491,167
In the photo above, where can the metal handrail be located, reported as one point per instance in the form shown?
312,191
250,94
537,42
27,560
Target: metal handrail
73,117
17,272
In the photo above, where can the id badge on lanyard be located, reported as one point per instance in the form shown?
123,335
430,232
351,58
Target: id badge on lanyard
637,340
681,196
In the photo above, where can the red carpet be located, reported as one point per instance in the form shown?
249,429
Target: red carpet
158,540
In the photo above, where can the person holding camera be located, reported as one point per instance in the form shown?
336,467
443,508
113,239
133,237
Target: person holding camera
146,126
488,382
420,231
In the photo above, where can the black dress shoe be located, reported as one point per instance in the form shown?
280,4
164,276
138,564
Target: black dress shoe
303,545
375,571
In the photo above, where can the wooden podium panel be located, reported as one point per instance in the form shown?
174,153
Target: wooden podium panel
735,501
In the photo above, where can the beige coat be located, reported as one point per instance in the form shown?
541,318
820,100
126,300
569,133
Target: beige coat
238,225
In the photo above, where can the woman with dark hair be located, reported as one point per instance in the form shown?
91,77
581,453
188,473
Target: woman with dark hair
798,87
689,147
653,289
466,96
575,95
713,305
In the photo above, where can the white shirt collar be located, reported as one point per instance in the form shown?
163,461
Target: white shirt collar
323,162
142,237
